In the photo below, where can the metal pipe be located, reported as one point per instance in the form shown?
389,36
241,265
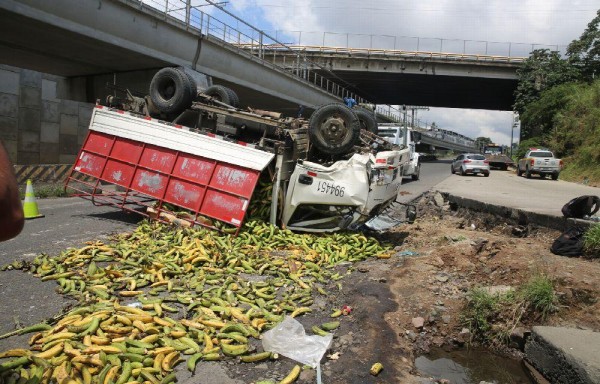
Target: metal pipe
275,193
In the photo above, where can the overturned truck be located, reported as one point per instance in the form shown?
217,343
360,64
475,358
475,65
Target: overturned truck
192,156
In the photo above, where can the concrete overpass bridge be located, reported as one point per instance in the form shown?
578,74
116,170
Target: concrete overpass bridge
397,77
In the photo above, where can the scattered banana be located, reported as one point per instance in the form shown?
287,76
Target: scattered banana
128,327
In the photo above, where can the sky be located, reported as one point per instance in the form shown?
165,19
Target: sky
497,27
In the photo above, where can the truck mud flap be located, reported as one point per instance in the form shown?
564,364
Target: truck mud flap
150,167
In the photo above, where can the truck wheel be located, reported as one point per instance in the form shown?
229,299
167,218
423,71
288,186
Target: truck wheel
417,173
193,86
333,129
367,120
555,176
519,172
233,97
171,90
527,173
220,93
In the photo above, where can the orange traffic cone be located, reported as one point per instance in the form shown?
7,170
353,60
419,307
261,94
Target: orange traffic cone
30,207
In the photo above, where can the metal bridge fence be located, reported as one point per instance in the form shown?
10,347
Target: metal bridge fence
440,46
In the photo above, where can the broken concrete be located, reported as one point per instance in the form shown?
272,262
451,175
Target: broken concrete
565,355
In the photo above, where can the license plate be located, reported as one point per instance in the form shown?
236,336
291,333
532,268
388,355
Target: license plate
476,170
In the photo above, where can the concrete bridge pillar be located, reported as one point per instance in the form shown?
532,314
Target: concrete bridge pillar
40,123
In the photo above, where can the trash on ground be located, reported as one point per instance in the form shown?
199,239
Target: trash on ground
289,339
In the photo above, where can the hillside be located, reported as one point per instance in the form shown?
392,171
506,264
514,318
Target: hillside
576,135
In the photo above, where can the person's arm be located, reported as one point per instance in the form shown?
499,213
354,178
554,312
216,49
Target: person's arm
11,209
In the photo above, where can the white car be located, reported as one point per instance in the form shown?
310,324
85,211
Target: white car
471,164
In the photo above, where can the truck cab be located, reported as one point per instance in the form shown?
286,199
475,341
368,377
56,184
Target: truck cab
395,134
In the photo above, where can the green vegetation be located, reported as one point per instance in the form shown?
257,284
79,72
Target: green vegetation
46,191
558,100
491,317
538,296
482,311
591,241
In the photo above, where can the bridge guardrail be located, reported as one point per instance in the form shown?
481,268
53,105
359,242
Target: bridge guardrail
393,53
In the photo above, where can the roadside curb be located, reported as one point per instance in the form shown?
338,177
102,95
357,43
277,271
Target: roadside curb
564,355
518,215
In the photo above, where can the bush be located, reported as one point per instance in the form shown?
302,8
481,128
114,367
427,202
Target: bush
591,241
492,317
482,312
46,191
538,295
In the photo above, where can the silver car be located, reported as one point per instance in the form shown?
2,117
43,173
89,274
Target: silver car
472,164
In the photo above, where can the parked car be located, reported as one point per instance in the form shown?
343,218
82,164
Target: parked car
541,162
472,164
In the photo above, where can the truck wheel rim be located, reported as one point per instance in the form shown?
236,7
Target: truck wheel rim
333,130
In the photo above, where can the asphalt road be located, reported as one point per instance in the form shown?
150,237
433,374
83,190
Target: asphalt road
67,222
505,188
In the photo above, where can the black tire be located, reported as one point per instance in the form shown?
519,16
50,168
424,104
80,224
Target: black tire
519,172
193,85
462,172
233,97
555,176
415,176
527,173
451,169
367,120
486,174
220,93
333,129
171,90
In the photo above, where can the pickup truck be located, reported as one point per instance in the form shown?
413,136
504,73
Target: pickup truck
186,148
541,162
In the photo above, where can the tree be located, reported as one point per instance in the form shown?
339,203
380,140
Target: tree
538,119
542,70
481,142
585,52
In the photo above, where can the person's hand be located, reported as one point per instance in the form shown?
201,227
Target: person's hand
11,209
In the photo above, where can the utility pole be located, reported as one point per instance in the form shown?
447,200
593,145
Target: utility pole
413,113
515,124
405,141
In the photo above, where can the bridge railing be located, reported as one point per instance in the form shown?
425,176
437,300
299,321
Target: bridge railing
377,52
245,38
411,43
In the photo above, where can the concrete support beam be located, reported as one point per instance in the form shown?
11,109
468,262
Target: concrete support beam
414,80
